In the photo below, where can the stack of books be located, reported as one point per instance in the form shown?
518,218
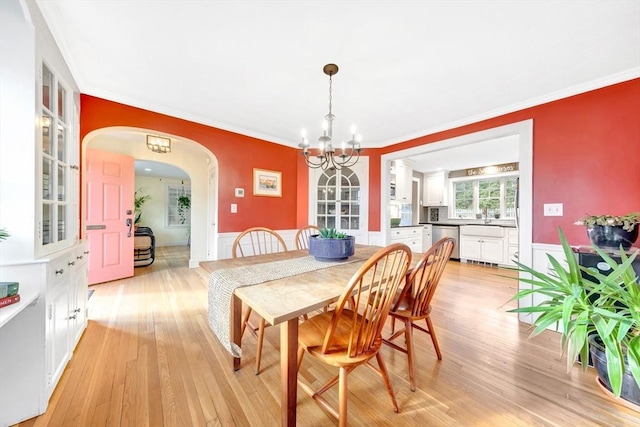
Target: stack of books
9,293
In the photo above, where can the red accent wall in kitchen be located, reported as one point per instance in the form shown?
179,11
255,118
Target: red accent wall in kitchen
237,156
586,155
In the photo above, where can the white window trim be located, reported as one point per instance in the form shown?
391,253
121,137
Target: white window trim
502,177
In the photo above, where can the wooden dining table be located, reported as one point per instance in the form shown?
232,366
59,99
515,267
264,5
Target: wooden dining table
283,301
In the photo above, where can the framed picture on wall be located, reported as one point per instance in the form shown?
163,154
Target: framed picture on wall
267,183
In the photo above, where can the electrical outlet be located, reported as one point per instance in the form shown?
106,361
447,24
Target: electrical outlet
553,209
234,208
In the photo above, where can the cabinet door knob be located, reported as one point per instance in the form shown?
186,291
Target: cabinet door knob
71,317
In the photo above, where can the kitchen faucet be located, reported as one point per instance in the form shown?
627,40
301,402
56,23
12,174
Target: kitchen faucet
485,212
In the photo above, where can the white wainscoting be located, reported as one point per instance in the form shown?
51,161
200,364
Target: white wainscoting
540,263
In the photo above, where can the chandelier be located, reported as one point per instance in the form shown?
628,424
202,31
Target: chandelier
330,157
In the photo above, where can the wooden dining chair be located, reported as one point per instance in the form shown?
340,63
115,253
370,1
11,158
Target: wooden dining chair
413,302
256,241
347,338
302,236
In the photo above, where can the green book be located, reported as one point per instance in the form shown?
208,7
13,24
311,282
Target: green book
8,289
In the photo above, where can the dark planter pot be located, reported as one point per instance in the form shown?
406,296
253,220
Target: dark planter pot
630,390
331,249
612,236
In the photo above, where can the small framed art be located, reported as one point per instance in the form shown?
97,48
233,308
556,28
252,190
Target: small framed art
267,183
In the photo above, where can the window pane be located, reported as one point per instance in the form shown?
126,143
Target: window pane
177,214
510,197
463,200
489,196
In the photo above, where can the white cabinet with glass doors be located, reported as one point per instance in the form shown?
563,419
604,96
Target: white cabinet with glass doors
339,199
58,153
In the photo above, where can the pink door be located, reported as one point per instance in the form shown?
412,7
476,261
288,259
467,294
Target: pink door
110,180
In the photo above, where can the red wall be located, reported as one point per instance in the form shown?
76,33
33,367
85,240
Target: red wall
237,156
586,155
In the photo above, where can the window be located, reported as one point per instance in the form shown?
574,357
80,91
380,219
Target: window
489,196
497,195
178,206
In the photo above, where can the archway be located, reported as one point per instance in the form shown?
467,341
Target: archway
197,161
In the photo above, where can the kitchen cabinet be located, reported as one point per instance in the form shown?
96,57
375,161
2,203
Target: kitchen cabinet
410,236
435,189
404,181
482,243
511,247
427,237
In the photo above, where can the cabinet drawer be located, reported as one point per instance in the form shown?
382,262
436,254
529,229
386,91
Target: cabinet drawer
512,236
401,232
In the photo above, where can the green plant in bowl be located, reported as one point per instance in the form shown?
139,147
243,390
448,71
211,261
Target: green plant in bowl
395,222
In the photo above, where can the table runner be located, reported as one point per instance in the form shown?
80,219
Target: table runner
223,282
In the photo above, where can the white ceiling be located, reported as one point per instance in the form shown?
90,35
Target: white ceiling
407,68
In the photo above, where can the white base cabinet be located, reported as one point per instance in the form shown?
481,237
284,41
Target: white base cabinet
482,243
485,249
410,236
38,336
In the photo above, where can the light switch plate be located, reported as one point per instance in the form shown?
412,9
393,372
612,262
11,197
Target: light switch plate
234,208
553,209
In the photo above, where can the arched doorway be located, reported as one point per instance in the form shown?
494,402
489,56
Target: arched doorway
197,161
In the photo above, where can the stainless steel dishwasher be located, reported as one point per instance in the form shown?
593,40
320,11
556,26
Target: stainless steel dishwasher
440,231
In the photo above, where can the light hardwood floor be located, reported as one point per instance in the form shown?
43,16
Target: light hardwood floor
148,358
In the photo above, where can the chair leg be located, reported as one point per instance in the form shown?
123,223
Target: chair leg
393,324
387,383
432,333
259,344
408,336
342,396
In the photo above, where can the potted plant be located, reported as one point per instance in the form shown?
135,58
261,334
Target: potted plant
604,310
611,231
184,205
331,245
3,234
138,201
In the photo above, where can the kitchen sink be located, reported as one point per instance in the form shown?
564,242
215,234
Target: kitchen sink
482,230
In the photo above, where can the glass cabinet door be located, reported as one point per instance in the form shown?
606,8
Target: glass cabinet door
338,200
56,180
